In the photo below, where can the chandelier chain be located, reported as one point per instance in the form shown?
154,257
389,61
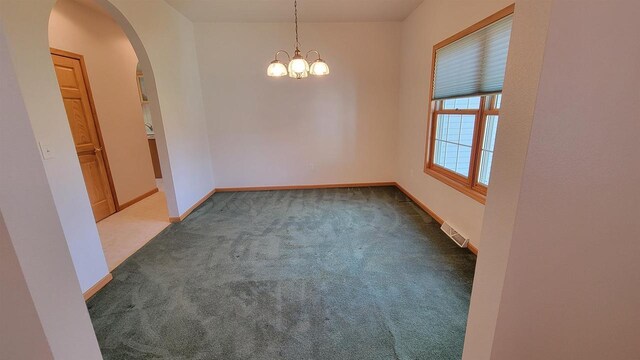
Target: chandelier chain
295,9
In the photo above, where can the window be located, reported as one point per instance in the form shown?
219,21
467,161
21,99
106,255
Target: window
466,95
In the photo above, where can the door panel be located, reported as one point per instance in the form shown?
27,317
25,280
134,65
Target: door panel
95,189
84,131
79,126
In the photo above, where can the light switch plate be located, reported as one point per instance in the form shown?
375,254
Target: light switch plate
47,151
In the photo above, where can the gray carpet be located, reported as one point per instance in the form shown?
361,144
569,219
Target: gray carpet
358,273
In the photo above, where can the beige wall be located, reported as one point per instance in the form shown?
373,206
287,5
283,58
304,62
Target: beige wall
526,54
111,65
281,131
430,23
571,284
42,312
21,333
168,59
173,81
558,272
25,25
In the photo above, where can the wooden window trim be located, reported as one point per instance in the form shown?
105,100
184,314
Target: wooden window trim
468,186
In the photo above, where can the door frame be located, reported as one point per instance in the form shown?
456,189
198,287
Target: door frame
94,113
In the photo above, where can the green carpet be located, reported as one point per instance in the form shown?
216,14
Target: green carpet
358,273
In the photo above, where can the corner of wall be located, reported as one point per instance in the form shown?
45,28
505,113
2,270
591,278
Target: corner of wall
524,67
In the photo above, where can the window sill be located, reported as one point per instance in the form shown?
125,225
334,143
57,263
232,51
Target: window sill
475,195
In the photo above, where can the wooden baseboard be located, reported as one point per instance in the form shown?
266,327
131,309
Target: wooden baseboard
188,212
141,197
431,213
420,204
267,188
305,187
472,248
99,285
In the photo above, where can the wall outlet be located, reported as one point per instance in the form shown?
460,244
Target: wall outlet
47,151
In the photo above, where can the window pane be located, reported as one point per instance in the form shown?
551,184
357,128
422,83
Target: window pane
485,167
464,160
454,137
466,130
453,128
439,153
451,155
498,101
470,103
491,128
488,144
443,125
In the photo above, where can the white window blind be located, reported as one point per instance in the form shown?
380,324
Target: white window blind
475,64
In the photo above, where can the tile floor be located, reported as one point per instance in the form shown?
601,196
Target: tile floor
125,232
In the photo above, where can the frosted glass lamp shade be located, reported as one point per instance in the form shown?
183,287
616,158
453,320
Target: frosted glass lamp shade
298,67
276,69
319,68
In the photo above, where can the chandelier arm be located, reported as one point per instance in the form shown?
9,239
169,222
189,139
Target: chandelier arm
283,51
312,51
298,65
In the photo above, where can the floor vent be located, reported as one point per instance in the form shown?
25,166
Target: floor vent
454,235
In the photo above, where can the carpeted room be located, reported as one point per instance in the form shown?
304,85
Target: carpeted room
350,273
356,209
332,259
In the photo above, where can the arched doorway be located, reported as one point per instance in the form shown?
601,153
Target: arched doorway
108,103
24,25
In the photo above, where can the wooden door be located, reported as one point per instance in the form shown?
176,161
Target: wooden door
84,128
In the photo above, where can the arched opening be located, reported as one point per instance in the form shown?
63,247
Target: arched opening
144,65
45,205
110,98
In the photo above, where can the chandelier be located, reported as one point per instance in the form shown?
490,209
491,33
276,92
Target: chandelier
298,67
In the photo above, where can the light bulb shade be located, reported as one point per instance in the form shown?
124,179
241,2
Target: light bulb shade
319,68
276,69
298,67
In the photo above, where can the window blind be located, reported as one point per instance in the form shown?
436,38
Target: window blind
474,64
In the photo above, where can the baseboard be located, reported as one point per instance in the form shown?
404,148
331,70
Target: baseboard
99,285
472,248
420,204
267,188
141,197
305,187
431,213
188,212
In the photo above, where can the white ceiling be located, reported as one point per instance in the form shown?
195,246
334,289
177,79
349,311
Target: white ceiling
282,10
